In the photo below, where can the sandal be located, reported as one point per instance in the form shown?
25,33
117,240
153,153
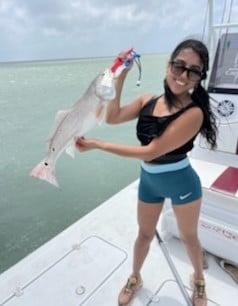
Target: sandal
199,297
228,267
128,291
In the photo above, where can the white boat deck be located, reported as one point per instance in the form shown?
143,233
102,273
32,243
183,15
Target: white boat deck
88,263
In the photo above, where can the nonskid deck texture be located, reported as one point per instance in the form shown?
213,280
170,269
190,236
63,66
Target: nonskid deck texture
88,263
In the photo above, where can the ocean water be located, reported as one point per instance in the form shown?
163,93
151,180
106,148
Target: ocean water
32,211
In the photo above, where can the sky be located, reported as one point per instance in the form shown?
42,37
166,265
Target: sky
55,29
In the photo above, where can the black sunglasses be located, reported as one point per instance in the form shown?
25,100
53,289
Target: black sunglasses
178,68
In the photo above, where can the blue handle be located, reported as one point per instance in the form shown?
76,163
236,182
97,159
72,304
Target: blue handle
133,55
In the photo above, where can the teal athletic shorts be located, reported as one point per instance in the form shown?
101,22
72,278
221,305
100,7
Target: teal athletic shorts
177,181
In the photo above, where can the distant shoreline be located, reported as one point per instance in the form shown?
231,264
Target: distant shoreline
69,59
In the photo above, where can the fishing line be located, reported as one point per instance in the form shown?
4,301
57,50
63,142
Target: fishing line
135,57
138,63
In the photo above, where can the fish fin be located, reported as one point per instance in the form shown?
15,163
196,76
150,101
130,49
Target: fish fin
71,150
44,172
100,113
58,118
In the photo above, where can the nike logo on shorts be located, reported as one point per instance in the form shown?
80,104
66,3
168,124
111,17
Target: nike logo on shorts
182,197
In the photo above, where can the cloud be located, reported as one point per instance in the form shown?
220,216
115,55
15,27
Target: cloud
47,25
182,16
78,28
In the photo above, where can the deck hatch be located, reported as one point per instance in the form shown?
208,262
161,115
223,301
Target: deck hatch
86,266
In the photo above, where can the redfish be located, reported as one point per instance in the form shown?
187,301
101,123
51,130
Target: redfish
80,118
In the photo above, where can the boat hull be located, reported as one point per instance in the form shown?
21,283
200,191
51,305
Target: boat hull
218,226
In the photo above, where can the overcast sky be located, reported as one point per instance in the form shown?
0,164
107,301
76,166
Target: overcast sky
49,29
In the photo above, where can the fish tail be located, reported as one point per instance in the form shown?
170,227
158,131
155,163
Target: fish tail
45,172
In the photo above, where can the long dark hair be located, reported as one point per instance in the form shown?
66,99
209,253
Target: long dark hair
200,95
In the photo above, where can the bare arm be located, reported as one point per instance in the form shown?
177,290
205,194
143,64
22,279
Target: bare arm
117,113
177,134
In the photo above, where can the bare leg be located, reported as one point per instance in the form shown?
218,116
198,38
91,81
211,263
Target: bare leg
187,216
148,215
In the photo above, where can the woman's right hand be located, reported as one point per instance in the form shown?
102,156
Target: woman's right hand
125,57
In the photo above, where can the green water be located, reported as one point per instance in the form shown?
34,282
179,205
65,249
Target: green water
33,211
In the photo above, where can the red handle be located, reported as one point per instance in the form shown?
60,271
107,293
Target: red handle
119,61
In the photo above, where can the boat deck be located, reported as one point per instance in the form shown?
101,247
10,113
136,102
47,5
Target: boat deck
89,262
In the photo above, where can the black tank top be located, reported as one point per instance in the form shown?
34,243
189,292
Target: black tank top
149,127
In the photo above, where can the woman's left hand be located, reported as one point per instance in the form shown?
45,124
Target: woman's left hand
86,144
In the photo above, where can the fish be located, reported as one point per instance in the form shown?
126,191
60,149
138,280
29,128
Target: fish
82,117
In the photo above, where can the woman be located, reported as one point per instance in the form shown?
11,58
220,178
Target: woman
167,127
